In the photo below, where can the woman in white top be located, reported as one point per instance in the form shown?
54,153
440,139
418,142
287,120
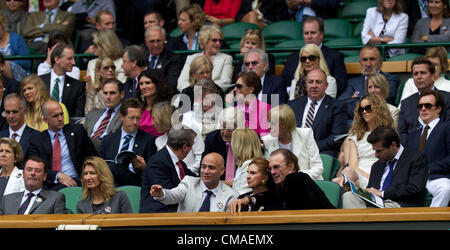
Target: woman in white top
385,23
438,56
246,146
300,141
210,39
11,156
311,57
107,44
377,84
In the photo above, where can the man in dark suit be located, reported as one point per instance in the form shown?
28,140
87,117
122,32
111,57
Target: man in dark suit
62,87
101,122
423,76
129,138
134,62
35,199
313,32
434,141
398,177
162,59
167,169
330,118
62,147
258,61
370,61
15,116
299,9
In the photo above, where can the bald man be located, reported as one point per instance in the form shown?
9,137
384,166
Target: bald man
199,194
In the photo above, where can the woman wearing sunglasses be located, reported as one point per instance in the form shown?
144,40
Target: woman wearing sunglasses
356,153
311,57
210,39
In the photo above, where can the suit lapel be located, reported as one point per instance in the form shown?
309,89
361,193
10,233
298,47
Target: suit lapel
300,109
322,111
67,89
48,147
113,123
19,197
70,140
42,196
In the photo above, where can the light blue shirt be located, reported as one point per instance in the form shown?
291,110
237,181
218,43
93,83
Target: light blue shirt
130,147
67,166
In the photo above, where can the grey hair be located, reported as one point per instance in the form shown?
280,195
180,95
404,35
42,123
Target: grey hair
23,103
138,54
231,118
155,27
262,54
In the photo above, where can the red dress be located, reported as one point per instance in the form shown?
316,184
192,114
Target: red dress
223,9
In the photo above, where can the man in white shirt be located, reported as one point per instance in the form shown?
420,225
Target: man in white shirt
204,194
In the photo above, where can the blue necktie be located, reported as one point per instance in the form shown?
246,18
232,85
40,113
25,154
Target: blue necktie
126,144
387,181
206,202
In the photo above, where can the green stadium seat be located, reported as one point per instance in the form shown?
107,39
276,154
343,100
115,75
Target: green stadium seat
357,29
337,28
280,57
176,32
332,191
351,59
344,42
234,31
134,195
282,30
356,11
330,166
404,57
73,195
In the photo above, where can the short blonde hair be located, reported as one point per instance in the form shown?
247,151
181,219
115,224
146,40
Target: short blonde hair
162,115
380,81
441,53
101,62
196,15
199,63
104,176
109,43
254,35
206,32
285,116
246,145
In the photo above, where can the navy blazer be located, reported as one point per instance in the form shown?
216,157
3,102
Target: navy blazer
408,180
335,62
408,119
78,142
274,85
27,134
159,170
330,121
74,94
437,149
214,144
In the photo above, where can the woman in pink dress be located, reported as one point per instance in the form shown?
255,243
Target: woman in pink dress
153,88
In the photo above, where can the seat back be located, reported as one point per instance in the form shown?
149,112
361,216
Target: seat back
344,42
356,11
332,191
282,30
337,28
235,31
134,195
327,162
73,195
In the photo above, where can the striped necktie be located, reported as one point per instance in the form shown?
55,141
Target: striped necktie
310,116
25,204
126,144
103,125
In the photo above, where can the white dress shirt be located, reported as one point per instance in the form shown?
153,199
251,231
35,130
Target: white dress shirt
19,132
308,104
53,77
33,199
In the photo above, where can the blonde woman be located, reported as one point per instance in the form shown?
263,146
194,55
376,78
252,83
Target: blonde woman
210,39
300,141
35,93
104,69
370,113
311,57
107,44
246,146
98,193
377,84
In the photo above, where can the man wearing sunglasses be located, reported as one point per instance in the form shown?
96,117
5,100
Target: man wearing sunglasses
434,141
423,76
272,86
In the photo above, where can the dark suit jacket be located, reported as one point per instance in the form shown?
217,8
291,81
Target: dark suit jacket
299,191
52,203
408,180
437,149
170,66
408,118
128,89
335,62
330,121
73,96
27,134
79,144
274,85
159,170
215,144
144,145
274,10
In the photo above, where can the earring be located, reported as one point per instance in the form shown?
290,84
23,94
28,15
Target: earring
263,182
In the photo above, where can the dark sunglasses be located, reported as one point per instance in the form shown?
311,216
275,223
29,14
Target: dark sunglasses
254,63
239,86
310,58
109,67
14,0
367,108
426,105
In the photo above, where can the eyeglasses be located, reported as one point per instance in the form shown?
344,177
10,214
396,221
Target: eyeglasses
426,105
14,0
155,41
254,63
215,40
367,108
239,86
310,58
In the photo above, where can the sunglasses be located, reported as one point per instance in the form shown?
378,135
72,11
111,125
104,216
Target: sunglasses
310,58
14,0
426,105
254,63
239,86
367,108
215,40
109,67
